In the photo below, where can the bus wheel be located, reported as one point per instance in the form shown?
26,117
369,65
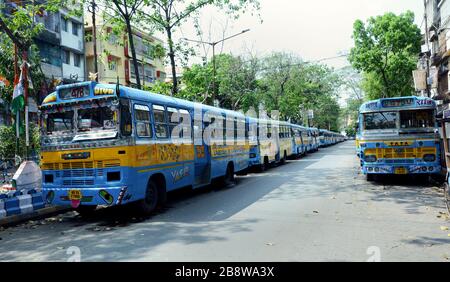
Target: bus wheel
147,205
283,160
228,179
266,164
86,211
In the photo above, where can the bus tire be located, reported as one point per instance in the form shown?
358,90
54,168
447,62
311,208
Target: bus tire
266,165
150,202
283,160
86,211
228,179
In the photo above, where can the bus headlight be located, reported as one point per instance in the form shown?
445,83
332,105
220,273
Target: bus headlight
370,159
429,158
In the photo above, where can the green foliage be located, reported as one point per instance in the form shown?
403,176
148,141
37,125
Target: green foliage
280,82
8,142
159,87
385,49
169,16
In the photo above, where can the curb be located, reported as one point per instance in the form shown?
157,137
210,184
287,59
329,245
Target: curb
44,212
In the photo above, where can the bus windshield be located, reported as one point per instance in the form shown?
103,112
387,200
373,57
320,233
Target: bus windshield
380,120
60,122
94,119
416,119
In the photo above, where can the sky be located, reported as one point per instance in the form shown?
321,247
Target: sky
311,29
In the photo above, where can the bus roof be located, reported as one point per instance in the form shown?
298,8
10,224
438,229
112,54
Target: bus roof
398,103
101,91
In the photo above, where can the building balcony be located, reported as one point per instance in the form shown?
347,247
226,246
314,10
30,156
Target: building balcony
436,59
49,37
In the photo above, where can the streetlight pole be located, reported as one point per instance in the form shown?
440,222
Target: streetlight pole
427,41
213,45
93,8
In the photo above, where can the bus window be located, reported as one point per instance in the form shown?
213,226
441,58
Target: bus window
186,120
381,120
174,121
96,119
417,119
142,116
125,117
159,116
60,122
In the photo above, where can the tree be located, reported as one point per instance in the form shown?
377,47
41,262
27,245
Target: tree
123,16
352,87
168,15
235,80
19,28
385,49
292,86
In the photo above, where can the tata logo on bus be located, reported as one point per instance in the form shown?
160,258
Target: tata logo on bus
398,143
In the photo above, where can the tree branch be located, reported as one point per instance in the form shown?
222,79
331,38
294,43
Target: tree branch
14,38
189,11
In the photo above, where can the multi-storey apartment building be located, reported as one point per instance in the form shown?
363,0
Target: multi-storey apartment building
60,45
114,59
436,49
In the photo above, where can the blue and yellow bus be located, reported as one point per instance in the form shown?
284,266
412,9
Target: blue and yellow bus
399,136
106,145
314,142
264,144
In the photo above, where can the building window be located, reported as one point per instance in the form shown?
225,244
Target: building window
63,24
112,64
75,27
88,36
66,57
77,60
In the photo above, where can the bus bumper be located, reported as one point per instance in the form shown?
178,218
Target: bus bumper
100,196
426,168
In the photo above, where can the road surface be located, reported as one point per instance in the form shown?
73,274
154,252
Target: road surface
318,208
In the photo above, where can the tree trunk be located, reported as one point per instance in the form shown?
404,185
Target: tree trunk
172,62
133,53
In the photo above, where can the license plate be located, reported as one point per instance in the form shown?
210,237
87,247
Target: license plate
75,195
401,170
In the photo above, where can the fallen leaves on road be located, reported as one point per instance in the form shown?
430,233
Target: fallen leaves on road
270,244
443,215
444,228
315,211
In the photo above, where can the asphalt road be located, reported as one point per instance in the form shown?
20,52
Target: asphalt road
318,208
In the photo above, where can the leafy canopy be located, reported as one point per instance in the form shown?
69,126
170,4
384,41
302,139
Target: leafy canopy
385,50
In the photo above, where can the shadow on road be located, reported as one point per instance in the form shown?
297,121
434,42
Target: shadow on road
199,216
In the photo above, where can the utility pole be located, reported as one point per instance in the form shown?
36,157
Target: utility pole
92,9
428,46
213,45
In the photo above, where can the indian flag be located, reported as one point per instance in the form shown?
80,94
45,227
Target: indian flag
18,101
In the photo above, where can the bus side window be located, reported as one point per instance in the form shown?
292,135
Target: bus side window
143,124
160,118
125,118
186,120
174,121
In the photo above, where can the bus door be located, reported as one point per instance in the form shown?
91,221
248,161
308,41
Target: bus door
202,156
